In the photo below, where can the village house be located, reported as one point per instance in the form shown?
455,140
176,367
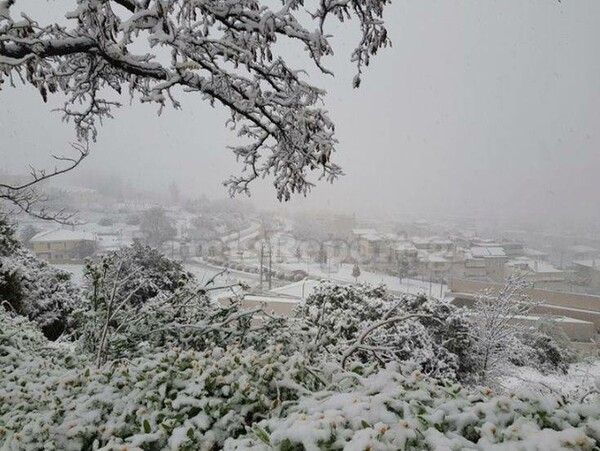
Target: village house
538,273
485,262
61,245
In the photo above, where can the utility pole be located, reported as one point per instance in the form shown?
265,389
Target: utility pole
268,276
430,282
279,248
270,263
562,253
262,246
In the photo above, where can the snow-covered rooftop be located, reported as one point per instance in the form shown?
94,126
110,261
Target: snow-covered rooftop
436,258
533,265
405,246
593,263
62,235
371,237
443,242
299,289
487,252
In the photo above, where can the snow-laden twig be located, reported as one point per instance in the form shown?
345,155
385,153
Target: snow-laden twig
497,324
25,197
359,343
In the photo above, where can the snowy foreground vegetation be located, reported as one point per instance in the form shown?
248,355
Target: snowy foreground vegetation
146,360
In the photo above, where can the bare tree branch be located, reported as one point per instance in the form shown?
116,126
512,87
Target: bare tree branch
26,198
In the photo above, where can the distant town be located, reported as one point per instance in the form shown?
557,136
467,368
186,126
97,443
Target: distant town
280,258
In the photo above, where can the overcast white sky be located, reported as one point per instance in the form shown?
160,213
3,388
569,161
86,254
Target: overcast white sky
480,107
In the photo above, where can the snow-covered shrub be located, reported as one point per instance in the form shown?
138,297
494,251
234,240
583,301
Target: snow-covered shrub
448,325
140,268
542,352
187,319
238,398
340,311
8,241
139,300
124,287
435,340
31,287
180,400
389,410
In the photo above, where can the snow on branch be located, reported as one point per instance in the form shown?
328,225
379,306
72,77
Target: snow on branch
501,317
25,198
223,50
359,344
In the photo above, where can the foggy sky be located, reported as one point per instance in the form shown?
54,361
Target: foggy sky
481,107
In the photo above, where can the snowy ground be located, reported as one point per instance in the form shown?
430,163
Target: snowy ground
205,272
344,275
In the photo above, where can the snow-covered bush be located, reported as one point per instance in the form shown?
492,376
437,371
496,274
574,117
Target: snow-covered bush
240,398
139,268
31,287
139,300
435,340
187,319
180,400
543,352
434,336
392,411
8,241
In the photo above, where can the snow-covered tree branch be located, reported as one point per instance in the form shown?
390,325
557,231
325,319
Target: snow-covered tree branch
26,198
500,319
224,51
